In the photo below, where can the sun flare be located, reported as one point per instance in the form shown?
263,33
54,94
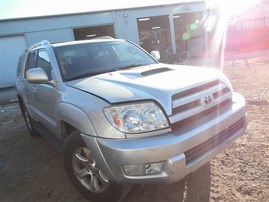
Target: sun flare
220,15
231,7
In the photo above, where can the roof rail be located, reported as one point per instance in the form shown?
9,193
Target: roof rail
41,43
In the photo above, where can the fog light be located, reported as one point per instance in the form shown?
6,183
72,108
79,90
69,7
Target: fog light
153,168
133,170
143,169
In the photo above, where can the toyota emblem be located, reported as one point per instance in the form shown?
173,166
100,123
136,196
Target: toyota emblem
208,99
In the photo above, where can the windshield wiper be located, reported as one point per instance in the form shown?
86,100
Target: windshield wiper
80,76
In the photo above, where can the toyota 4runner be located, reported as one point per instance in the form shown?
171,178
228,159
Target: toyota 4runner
120,117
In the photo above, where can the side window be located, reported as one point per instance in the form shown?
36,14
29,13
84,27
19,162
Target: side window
43,61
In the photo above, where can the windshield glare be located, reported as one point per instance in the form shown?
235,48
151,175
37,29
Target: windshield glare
83,60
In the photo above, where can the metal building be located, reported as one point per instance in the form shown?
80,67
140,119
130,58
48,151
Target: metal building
170,27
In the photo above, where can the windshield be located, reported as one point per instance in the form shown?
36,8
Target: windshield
83,60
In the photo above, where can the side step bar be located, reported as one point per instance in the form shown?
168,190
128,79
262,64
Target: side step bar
52,139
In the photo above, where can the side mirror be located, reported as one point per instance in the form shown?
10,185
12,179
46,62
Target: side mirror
156,55
37,76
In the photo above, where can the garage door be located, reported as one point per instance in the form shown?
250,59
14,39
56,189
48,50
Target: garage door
10,50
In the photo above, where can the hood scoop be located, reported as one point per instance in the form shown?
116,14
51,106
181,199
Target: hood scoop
155,71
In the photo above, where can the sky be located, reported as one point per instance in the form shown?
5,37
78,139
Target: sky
27,8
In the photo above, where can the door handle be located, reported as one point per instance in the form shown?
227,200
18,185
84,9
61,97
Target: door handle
34,89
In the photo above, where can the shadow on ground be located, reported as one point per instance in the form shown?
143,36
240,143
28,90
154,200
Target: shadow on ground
195,187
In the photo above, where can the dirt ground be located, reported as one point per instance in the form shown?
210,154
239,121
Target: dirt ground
31,170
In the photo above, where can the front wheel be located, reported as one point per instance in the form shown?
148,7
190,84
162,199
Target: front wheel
84,173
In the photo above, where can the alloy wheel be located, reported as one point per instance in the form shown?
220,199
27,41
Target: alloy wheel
87,171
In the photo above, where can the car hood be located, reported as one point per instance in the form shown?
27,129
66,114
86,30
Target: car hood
154,82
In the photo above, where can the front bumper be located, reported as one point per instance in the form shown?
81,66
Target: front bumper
181,151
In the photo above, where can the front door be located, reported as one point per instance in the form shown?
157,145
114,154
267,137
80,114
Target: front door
44,95
28,88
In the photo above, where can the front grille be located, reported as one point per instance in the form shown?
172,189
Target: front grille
186,107
198,119
203,148
192,102
196,89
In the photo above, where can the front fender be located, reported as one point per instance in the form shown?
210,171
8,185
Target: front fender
75,117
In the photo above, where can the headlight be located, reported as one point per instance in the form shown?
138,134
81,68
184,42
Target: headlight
136,118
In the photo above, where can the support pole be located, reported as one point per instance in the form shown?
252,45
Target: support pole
172,31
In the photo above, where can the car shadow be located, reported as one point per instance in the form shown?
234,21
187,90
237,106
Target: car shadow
194,187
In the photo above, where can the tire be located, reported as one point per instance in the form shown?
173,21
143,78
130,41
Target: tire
84,174
29,122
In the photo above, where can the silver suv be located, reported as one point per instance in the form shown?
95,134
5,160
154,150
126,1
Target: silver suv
120,117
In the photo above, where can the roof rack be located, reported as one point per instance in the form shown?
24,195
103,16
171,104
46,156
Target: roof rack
104,37
41,43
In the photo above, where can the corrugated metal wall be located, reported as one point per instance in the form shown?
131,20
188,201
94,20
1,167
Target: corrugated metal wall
53,36
54,28
60,28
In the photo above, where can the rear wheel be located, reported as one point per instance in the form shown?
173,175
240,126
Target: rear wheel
84,173
29,122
